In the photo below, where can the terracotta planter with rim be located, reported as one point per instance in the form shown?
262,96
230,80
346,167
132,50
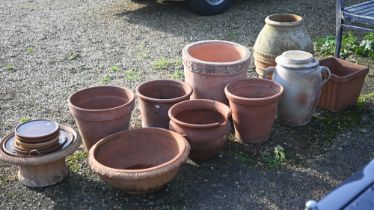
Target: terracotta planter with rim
139,161
204,123
101,111
210,65
254,104
155,99
343,88
282,32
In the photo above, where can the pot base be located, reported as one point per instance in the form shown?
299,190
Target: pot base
43,175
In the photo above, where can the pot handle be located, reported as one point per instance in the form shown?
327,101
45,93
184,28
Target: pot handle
267,71
327,70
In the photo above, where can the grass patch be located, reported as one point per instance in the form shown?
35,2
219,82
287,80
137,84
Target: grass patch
114,68
178,75
166,63
29,50
106,79
132,75
24,119
232,36
74,161
6,179
9,67
350,45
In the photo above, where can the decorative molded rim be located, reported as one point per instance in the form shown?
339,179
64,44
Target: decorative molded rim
39,160
231,68
129,93
183,85
271,20
136,174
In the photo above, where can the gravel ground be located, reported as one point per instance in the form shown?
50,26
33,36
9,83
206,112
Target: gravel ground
51,48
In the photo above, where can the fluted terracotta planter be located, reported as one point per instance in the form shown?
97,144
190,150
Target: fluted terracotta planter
204,123
101,111
139,161
282,32
155,99
254,105
210,65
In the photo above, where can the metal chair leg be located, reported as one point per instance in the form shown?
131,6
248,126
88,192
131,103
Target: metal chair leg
339,35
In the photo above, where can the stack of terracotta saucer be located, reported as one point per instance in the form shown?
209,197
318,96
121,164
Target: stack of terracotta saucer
37,137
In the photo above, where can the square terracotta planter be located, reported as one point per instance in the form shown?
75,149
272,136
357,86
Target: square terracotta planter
344,87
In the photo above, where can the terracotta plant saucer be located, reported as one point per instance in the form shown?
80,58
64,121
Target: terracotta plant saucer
41,170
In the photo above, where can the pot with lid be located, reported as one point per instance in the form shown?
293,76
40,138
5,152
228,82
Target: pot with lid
302,79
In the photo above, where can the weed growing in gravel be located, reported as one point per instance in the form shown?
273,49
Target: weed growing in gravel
106,79
132,75
366,98
350,45
6,179
9,67
178,75
114,68
29,50
232,36
164,63
24,119
74,161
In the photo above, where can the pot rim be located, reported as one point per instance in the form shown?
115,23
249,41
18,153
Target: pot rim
135,174
269,20
232,96
185,52
169,100
129,93
210,103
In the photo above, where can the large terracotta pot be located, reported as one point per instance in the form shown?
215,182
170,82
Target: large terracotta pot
139,161
210,65
155,99
101,111
302,79
282,32
254,105
204,123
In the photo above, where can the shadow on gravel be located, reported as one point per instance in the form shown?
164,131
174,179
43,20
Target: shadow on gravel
221,183
245,18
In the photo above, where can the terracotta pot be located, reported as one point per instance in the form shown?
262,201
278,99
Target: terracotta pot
210,65
42,170
302,79
254,105
344,87
155,99
282,32
204,123
101,111
139,161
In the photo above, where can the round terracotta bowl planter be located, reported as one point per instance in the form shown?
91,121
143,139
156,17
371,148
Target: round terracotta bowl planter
254,105
210,65
139,161
155,99
101,111
204,123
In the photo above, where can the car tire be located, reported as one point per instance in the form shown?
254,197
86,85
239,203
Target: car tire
209,7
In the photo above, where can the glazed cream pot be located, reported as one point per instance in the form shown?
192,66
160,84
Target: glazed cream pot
302,79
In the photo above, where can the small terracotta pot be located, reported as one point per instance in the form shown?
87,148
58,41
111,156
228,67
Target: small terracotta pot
204,123
343,88
139,161
210,65
254,105
155,99
101,111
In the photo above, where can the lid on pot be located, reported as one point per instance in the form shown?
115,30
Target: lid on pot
36,129
296,59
